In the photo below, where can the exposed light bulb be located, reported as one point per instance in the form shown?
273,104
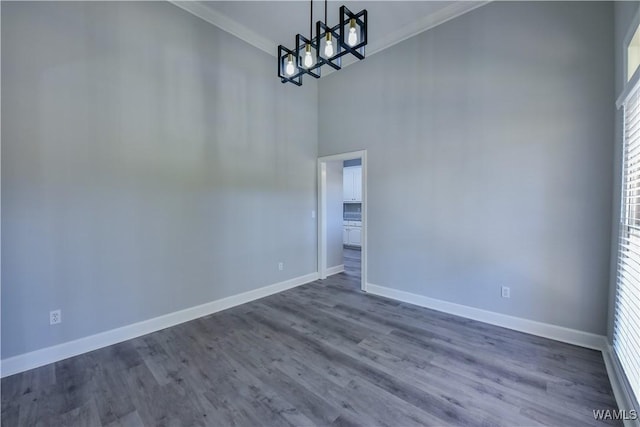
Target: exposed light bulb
289,68
308,59
328,47
353,36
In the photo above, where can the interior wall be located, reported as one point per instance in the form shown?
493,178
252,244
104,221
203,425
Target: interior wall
624,14
335,225
490,160
145,168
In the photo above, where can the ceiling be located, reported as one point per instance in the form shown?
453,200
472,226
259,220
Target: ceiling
266,24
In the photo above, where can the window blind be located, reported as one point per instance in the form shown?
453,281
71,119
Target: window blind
626,338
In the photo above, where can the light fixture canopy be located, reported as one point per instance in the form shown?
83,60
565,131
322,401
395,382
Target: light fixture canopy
328,46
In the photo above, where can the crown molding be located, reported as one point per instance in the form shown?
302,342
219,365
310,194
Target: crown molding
229,25
454,10
445,14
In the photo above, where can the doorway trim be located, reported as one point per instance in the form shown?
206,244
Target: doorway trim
322,212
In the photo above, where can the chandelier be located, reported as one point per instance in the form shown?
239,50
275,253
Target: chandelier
330,44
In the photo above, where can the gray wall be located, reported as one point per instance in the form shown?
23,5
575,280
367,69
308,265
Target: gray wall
624,13
335,225
145,168
496,129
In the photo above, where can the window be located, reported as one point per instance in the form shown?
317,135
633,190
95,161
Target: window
633,53
626,337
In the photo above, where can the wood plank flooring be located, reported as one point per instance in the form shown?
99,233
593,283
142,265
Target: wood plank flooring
323,354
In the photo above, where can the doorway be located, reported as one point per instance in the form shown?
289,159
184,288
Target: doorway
326,215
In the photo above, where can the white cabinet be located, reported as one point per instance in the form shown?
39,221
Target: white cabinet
347,184
355,236
357,183
352,233
352,183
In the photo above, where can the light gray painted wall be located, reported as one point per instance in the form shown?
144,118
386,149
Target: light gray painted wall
495,129
150,163
624,14
335,225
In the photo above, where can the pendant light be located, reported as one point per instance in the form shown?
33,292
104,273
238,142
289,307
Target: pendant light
328,46
329,50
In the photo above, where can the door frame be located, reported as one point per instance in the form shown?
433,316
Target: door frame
322,212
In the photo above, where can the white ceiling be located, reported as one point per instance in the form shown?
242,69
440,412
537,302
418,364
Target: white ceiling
266,24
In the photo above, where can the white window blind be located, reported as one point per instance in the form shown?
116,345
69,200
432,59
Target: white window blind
626,338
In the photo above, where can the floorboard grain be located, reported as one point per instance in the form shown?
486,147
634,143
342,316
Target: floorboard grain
322,354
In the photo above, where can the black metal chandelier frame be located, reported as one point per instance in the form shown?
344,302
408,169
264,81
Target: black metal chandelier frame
339,32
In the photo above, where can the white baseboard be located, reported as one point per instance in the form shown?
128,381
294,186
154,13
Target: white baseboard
559,333
621,391
34,359
335,270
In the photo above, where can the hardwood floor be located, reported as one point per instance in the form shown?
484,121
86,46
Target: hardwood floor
321,354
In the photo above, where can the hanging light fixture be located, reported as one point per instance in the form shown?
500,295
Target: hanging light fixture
328,46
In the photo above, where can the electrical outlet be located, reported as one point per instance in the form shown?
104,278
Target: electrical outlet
280,266
313,214
55,317
506,292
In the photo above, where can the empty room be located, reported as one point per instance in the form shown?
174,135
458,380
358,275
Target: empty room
320,213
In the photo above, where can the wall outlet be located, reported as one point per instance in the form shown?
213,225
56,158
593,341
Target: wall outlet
506,292
313,214
55,317
280,266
